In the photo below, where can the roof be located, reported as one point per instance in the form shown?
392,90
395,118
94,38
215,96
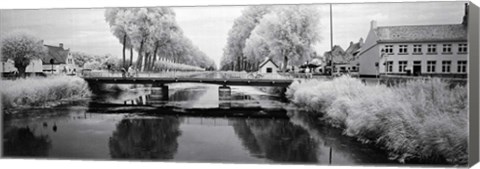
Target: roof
266,61
338,55
422,33
317,61
58,54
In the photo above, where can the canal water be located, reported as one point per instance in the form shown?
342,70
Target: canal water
128,127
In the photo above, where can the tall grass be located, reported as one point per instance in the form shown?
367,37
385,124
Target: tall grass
421,120
39,91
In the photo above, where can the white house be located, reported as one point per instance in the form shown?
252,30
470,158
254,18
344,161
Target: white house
35,66
62,62
268,66
431,50
61,58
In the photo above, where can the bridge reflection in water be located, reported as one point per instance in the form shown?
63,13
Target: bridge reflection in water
188,98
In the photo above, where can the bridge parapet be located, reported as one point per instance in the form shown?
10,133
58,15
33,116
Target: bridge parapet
220,78
198,74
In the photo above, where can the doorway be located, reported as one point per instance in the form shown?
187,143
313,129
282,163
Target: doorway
417,68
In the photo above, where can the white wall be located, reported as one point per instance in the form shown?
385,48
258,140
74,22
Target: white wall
34,66
454,57
269,64
369,55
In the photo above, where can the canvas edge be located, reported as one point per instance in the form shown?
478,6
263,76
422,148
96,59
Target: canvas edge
474,76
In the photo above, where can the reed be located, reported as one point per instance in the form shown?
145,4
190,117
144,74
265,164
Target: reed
420,120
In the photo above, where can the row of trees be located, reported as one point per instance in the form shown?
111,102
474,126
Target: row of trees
286,34
153,33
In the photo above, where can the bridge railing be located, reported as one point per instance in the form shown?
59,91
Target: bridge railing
253,75
172,74
201,74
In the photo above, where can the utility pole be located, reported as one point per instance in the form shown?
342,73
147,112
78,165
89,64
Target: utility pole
330,61
331,28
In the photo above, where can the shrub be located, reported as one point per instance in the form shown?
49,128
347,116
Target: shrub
38,91
418,120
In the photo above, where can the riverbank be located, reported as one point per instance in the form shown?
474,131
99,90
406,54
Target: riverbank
42,91
422,120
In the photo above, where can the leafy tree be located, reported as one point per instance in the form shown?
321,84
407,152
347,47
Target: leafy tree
256,50
154,33
239,33
120,20
81,58
290,32
22,47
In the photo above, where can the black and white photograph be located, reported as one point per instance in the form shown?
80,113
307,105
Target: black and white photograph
348,84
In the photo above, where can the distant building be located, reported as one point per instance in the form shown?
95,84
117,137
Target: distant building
62,62
35,66
342,60
61,58
429,50
268,66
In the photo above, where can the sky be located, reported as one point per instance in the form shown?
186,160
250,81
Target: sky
85,30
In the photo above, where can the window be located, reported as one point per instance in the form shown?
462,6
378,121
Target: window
402,65
462,66
462,48
389,49
432,48
417,49
389,66
431,66
446,66
269,70
403,49
447,48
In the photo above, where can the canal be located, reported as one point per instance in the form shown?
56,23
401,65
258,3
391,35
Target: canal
130,125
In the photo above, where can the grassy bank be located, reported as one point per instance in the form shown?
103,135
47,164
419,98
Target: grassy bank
41,91
422,120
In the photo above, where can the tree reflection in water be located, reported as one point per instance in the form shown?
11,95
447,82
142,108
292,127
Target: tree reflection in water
346,149
276,140
145,138
22,142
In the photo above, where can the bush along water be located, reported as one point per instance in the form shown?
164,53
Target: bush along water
421,120
42,91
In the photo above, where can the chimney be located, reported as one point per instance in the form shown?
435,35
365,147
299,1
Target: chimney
373,24
60,45
465,17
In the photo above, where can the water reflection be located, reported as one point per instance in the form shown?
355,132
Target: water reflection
82,132
277,140
337,148
22,142
145,138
